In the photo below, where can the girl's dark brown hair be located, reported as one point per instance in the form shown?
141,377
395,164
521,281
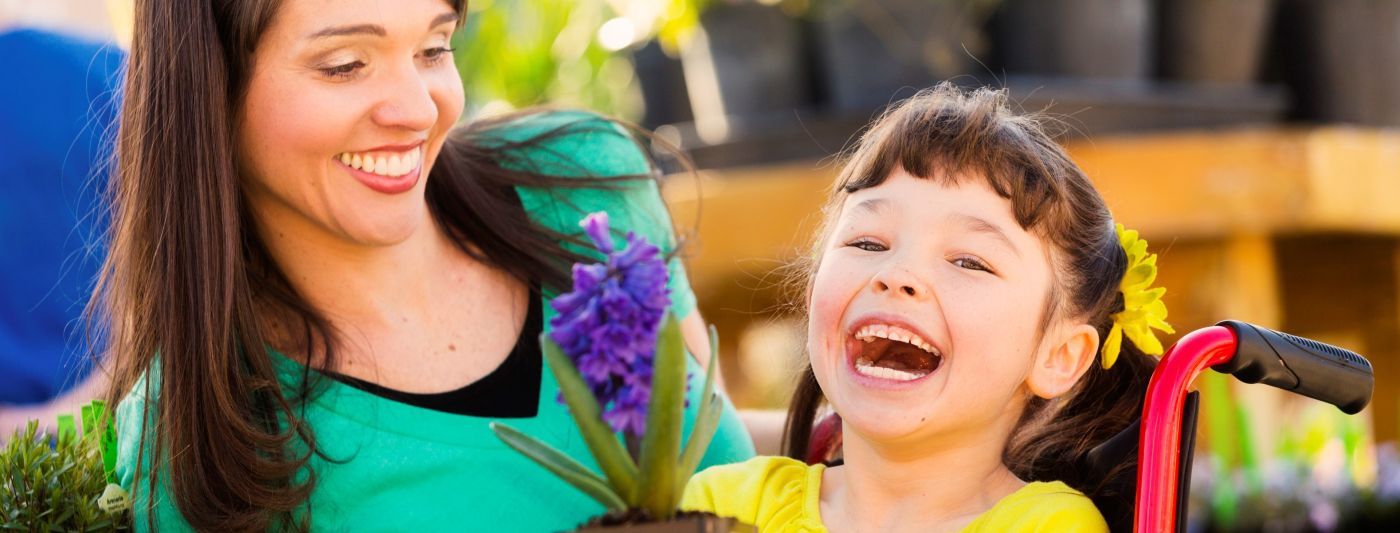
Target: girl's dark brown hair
947,134
188,295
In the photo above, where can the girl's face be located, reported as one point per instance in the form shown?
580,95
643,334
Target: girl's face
925,312
348,104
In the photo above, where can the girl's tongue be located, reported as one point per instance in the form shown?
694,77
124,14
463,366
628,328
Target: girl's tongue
895,360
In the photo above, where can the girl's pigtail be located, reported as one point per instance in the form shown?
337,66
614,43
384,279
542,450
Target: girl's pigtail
802,414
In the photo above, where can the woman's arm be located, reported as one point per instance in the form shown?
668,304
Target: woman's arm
765,426
14,417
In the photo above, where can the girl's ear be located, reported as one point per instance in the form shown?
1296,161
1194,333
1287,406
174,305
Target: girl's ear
1057,369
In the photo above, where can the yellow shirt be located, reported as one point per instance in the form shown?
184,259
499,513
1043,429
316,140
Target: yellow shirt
778,494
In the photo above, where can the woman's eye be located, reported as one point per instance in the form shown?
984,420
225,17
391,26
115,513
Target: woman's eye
436,55
344,71
971,263
868,245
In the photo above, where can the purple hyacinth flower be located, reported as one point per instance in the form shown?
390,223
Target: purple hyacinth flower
595,226
607,325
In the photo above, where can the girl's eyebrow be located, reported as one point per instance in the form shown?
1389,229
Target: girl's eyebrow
979,225
375,29
873,205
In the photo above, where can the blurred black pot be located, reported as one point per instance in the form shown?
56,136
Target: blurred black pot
1213,41
1341,58
873,49
746,60
1079,38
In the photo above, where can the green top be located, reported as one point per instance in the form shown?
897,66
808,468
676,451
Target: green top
397,467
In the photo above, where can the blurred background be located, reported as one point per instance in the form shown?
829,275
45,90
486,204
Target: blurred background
1255,143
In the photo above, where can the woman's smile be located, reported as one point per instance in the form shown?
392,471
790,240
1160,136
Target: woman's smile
389,170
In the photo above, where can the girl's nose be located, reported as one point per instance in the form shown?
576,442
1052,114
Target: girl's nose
408,102
900,281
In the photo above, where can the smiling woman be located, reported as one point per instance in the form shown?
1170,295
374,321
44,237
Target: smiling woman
320,293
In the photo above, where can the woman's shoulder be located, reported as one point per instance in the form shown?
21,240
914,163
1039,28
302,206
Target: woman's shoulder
768,492
1042,506
565,143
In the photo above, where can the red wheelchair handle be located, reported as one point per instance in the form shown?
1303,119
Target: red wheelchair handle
1253,355
1160,437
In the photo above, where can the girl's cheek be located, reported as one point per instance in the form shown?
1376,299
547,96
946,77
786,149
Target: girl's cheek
831,292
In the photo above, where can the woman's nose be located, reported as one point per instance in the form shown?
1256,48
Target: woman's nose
407,102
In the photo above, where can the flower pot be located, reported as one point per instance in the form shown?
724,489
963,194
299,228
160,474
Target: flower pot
745,59
663,86
685,522
1341,58
1081,38
1213,41
872,49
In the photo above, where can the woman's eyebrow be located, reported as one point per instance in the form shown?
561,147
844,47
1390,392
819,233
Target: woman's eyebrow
979,225
375,29
354,29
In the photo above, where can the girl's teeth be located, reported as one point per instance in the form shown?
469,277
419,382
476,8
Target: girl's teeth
395,165
868,368
355,162
345,158
869,333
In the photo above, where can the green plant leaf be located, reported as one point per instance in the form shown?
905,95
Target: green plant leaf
665,412
607,450
706,420
561,465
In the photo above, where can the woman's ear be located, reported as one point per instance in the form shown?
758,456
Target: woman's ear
1057,369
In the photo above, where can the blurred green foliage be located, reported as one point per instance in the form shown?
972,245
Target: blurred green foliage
517,53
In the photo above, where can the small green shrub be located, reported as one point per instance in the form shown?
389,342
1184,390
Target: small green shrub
49,484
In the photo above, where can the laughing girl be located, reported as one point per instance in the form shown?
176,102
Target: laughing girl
968,300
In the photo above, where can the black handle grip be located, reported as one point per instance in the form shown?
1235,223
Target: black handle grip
1303,366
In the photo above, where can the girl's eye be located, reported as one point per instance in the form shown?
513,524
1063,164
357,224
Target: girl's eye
971,263
868,245
343,72
436,55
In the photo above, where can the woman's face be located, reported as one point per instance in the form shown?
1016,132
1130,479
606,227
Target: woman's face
347,107
925,312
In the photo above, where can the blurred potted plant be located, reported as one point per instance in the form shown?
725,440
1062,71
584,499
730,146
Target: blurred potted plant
1325,474
744,59
1341,59
1077,38
619,358
1214,41
872,49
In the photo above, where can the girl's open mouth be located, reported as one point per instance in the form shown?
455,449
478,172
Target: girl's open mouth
893,353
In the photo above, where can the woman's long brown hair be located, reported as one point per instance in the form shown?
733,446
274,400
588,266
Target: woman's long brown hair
185,294
944,133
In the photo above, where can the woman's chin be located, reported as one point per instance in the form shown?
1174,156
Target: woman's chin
386,231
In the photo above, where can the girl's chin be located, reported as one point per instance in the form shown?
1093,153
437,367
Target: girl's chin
891,430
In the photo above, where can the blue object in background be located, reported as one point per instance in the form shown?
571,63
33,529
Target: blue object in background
57,122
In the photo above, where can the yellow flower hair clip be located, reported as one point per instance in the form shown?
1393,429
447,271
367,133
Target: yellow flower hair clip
1143,309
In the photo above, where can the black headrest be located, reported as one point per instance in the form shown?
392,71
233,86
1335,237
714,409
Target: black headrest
1117,486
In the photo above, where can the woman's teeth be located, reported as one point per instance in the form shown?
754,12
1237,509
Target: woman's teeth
390,165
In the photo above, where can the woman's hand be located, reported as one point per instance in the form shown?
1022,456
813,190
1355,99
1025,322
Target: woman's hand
14,417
